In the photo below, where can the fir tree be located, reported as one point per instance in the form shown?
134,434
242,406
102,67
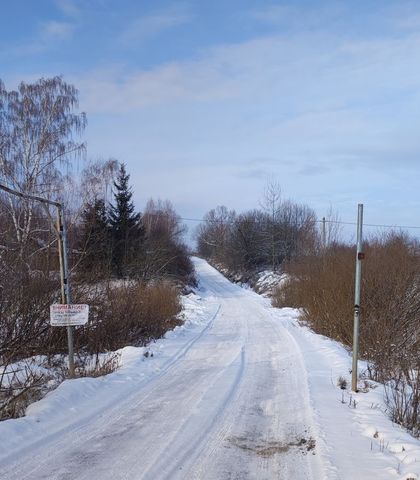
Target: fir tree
126,228
95,238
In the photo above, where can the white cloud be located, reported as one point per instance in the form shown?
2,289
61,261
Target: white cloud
48,36
54,30
302,73
292,16
68,7
276,14
146,27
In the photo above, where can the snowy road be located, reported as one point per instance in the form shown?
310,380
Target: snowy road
239,392
233,404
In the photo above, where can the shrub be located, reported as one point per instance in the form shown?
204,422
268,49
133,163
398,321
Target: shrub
322,285
25,299
132,313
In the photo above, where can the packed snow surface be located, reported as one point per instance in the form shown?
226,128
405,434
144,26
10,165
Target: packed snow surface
240,391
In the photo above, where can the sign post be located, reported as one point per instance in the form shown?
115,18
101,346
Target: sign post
60,230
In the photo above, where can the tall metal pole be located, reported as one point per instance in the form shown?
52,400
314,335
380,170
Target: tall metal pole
357,289
324,234
62,251
65,280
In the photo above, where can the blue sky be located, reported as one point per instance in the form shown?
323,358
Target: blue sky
206,101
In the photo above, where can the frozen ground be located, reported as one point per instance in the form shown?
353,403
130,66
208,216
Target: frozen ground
239,392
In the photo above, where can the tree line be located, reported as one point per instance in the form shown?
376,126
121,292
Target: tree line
114,239
277,232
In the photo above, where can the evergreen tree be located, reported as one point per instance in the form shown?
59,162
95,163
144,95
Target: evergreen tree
95,238
126,227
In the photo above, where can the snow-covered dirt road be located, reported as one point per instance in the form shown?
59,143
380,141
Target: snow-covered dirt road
229,398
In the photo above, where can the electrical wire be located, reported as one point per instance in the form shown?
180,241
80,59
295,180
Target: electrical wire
378,225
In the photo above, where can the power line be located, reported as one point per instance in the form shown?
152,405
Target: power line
370,224
378,225
201,220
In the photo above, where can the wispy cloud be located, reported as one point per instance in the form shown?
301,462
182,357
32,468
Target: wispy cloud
69,7
305,73
49,35
54,30
292,17
146,27
275,13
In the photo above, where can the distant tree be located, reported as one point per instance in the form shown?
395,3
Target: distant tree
272,206
126,227
299,233
214,234
247,242
258,238
167,255
333,228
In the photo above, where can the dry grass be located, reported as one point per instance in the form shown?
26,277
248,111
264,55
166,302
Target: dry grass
322,285
130,314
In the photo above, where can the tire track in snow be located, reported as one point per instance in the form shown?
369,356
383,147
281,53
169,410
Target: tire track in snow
184,455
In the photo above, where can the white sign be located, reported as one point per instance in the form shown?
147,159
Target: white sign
68,315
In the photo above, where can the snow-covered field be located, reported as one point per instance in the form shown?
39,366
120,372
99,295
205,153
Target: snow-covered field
240,391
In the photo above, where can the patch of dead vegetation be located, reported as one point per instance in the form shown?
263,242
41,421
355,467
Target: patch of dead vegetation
272,447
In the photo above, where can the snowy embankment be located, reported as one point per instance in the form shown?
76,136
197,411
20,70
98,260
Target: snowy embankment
356,423
267,281
239,391
76,402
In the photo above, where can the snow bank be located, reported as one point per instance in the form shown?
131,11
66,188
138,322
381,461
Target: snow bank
76,401
268,280
356,430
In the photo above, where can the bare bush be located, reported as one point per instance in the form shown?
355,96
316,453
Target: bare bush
322,285
402,395
130,314
98,365
20,385
25,299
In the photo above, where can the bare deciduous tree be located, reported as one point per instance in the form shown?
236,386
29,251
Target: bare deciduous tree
165,252
213,235
38,131
272,205
97,179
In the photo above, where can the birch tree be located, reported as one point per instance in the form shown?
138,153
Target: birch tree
38,138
